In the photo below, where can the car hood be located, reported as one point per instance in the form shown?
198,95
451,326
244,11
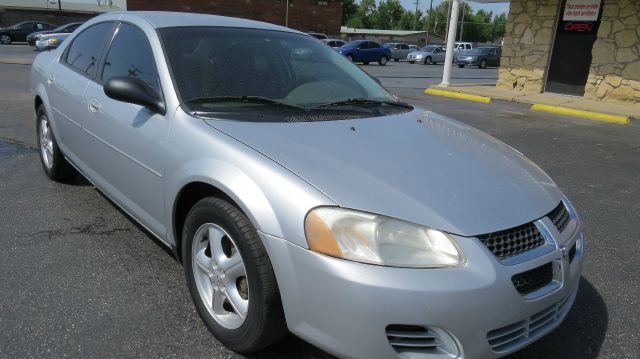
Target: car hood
34,34
418,166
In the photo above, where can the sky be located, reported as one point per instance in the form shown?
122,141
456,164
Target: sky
424,4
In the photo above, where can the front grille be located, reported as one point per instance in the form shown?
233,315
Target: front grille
533,279
560,217
518,334
513,241
414,339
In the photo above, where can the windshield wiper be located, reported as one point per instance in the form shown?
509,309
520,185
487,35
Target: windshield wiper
364,101
246,99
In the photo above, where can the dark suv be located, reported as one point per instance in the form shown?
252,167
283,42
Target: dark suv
19,31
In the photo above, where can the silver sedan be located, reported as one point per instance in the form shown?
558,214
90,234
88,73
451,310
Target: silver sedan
301,196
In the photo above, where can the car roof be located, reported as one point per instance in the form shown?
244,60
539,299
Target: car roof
162,19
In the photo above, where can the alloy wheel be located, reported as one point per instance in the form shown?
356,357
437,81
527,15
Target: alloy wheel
5,39
46,142
220,276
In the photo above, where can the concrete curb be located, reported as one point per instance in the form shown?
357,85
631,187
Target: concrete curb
457,95
15,62
597,116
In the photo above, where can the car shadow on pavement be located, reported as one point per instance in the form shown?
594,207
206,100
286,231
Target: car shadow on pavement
580,335
291,347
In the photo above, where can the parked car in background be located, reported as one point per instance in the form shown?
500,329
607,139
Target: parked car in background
20,31
335,43
398,50
428,55
64,29
50,41
318,35
312,200
414,47
365,51
481,57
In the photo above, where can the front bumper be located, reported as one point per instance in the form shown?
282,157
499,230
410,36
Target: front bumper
345,307
467,61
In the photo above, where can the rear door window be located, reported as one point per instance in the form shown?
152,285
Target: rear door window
84,53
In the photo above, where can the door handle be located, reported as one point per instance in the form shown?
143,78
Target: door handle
51,80
94,105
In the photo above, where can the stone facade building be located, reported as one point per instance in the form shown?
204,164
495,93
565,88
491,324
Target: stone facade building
546,46
322,16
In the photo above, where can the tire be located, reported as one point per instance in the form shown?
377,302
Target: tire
217,226
53,162
412,62
350,58
5,39
483,64
396,60
428,61
461,66
365,62
382,61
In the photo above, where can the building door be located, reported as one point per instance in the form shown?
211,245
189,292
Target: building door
571,57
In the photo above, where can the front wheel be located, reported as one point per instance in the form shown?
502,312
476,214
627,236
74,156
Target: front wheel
461,66
412,62
5,39
365,62
483,64
428,61
230,278
383,60
396,60
350,58
53,162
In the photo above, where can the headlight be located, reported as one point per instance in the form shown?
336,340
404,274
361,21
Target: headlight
375,239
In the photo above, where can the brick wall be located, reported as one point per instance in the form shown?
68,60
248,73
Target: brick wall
304,15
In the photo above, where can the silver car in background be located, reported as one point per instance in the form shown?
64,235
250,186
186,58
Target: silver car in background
50,41
399,51
302,196
428,55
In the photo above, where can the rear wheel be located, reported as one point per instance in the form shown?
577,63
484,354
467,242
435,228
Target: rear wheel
383,60
5,39
230,278
428,61
53,162
461,66
365,62
412,62
350,58
396,60
483,64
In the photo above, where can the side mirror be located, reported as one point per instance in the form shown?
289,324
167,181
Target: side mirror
135,91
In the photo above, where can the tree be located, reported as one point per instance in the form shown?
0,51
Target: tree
349,10
388,14
366,10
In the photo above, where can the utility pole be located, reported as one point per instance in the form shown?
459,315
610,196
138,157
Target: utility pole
446,31
286,16
415,22
60,11
429,20
462,23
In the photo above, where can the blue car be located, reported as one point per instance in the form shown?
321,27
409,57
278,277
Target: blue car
365,51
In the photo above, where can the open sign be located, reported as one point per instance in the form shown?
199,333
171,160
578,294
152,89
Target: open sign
578,27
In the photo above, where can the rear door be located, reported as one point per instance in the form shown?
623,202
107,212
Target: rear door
128,141
374,52
67,83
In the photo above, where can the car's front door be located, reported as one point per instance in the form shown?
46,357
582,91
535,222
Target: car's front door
129,140
20,33
438,54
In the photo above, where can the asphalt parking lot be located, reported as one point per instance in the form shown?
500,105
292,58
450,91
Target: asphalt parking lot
80,279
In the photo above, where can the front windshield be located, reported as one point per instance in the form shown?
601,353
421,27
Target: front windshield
429,48
219,69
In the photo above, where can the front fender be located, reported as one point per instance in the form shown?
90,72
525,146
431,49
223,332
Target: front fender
274,199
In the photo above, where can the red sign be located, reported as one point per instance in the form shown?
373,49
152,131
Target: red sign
578,27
